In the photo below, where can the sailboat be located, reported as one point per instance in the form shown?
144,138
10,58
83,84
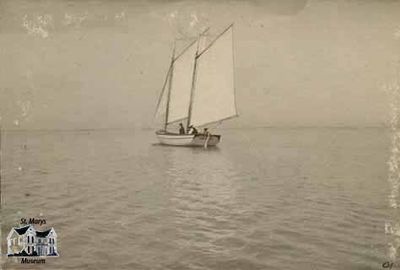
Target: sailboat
198,90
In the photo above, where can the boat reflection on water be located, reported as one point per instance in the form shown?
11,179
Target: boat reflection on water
203,195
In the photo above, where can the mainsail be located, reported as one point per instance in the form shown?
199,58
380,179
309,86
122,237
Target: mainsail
213,97
199,85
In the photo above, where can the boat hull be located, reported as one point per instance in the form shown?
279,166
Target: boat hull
187,139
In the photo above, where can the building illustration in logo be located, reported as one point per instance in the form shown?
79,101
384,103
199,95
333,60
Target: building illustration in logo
27,241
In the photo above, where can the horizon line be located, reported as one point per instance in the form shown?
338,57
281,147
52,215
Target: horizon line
221,128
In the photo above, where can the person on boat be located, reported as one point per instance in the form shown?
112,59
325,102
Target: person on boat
192,130
181,129
207,137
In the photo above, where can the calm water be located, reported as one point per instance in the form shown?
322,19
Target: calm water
265,199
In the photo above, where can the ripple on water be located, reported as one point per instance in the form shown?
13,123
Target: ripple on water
301,199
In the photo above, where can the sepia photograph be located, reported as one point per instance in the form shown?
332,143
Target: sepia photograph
200,134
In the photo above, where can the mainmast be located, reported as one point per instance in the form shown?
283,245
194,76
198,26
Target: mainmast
194,78
198,54
193,83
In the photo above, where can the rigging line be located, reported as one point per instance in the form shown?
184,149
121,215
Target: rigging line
170,69
169,87
184,50
163,89
233,69
212,42
177,120
190,45
217,121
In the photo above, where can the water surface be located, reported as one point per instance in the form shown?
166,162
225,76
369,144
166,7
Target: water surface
264,199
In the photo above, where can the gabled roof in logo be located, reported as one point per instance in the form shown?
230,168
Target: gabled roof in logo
22,230
43,233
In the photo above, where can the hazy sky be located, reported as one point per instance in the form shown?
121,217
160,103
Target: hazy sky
101,64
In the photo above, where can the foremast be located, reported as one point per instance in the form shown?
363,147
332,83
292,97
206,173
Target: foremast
169,79
167,86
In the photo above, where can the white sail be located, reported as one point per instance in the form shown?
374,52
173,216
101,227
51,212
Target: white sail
213,96
181,85
162,101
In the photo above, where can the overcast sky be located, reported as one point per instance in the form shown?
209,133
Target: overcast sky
101,64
